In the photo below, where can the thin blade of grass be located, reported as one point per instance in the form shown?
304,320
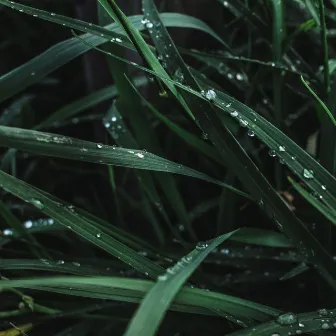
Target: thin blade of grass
133,290
75,149
67,217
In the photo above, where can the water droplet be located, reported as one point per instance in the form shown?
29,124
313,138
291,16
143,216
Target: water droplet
225,251
60,262
322,312
52,14
323,187
250,133
225,4
149,25
98,235
7,232
275,334
201,246
28,224
286,319
239,76
118,40
77,264
140,155
325,326
308,174
234,114
162,277
114,119
272,153
210,94
282,148
107,124
205,136
32,73
99,145
37,203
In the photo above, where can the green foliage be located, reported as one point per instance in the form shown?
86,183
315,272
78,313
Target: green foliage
177,190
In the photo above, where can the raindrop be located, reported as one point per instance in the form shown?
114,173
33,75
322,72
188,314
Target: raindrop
149,25
250,133
7,232
60,262
282,148
308,174
205,136
272,153
275,334
118,40
201,246
225,251
239,76
98,235
162,277
323,187
28,224
225,3
234,114
210,94
77,264
99,145
107,124
114,119
140,155
52,14
32,73
325,326
322,312
37,203
286,319
228,105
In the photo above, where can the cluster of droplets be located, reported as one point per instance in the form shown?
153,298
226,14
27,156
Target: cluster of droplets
147,23
210,94
30,224
176,268
140,155
112,124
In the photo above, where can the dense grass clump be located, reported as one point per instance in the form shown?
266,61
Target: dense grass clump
168,168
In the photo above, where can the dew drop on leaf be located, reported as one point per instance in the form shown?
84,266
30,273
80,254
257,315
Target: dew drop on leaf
201,246
37,203
308,174
272,153
286,319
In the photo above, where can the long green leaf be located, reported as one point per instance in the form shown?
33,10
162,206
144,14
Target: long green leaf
75,149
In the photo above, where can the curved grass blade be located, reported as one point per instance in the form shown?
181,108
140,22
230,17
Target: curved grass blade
155,304
84,103
315,323
71,220
58,266
133,290
324,106
75,149
40,66
328,212
239,161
